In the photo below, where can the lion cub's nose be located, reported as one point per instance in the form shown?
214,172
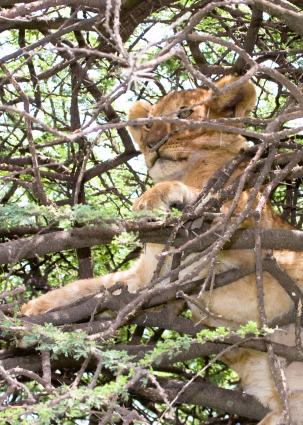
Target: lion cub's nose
156,135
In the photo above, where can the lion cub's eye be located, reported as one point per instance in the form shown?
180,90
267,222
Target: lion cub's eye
184,112
148,126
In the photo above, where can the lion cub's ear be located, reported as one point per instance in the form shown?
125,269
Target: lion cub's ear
139,109
236,102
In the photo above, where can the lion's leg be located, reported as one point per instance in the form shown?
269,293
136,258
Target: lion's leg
138,276
254,370
295,401
162,195
272,419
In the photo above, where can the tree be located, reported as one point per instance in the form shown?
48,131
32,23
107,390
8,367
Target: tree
70,171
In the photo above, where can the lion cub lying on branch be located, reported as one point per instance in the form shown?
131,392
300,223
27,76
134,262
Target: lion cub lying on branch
181,159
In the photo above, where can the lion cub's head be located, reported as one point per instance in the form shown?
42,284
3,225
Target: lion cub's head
165,140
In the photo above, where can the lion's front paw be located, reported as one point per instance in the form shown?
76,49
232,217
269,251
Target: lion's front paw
35,307
166,195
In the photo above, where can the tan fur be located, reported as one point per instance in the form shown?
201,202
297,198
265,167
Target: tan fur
181,166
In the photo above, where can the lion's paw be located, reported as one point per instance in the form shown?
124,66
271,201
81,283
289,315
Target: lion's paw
35,307
166,195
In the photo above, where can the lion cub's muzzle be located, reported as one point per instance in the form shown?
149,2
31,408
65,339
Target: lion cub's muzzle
157,136
156,146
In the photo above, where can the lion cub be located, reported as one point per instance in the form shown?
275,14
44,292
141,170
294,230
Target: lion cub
180,159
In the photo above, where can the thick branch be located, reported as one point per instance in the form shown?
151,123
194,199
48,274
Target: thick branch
89,236
203,393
